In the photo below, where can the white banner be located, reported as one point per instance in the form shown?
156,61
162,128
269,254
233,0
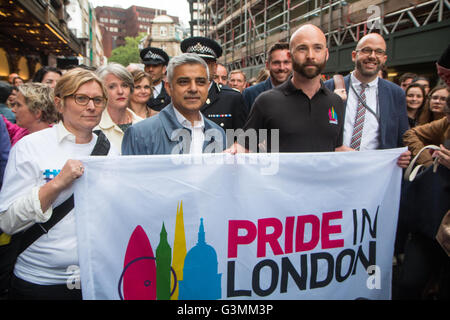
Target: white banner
279,226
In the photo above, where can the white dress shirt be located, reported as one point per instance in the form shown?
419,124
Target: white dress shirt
369,140
197,131
157,90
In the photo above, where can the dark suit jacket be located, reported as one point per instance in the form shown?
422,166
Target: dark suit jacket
162,100
225,107
393,117
252,92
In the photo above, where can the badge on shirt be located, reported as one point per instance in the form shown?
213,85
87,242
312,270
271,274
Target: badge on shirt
50,174
333,118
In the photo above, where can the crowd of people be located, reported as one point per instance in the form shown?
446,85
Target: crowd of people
140,109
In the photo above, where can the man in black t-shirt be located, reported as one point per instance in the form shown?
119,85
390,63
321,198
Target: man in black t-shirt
310,117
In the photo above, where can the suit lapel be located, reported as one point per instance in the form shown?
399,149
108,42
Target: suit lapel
162,93
267,84
383,103
213,95
347,83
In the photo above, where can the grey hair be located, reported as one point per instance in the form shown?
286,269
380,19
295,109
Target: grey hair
185,58
119,71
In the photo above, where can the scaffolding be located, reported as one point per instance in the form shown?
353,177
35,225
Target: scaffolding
247,28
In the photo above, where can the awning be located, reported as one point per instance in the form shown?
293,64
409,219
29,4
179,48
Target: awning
31,27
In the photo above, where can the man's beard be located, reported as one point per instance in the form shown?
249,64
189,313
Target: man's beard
360,68
308,73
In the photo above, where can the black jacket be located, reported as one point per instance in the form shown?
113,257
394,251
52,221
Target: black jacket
225,107
162,100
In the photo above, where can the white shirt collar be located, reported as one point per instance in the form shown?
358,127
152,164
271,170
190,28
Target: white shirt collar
186,123
63,134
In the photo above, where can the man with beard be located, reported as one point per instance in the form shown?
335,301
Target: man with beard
279,64
375,116
308,115
155,61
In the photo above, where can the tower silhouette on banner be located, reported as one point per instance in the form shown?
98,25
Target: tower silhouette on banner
147,276
201,280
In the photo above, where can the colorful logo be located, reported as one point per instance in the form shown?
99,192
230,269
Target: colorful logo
333,118
184,275
50,174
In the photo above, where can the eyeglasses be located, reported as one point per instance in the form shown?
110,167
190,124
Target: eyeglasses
83,100
368,51
440,98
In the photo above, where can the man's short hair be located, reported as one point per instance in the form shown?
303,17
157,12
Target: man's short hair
5,91
185,58
277,46
406,76
221,64
238,71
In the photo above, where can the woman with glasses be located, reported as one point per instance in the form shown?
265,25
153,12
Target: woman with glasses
117,117
39,177
434,107
141,94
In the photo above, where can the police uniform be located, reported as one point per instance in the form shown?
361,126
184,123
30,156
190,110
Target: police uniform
224,106
156,56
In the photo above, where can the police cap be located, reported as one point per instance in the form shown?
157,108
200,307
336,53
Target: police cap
204,47
154,56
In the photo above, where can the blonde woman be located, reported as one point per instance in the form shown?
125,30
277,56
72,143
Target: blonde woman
141,94
39,178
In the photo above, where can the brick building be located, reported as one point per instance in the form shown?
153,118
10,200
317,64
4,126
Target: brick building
117,23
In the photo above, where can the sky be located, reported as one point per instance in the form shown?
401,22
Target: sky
179,8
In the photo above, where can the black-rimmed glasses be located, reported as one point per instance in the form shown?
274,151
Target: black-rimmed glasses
83,100
368,51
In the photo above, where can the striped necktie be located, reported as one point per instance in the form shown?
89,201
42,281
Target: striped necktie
359,120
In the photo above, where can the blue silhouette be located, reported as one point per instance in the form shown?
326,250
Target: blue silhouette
200,278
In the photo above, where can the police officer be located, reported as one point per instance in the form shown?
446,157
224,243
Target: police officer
224,106
155,61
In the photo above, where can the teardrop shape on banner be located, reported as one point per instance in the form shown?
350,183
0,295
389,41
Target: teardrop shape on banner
139,277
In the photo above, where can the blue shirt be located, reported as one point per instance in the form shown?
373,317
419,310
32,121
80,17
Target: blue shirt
5,146
9,115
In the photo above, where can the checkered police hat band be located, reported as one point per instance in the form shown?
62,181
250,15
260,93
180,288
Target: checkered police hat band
153,56
201,50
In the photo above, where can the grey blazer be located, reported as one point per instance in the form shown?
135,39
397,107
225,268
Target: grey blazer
163,134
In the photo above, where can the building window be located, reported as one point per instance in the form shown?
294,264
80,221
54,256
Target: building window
163,31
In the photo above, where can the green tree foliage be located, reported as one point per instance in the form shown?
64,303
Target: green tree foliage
129,53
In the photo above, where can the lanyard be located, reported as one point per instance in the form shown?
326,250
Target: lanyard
376,114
